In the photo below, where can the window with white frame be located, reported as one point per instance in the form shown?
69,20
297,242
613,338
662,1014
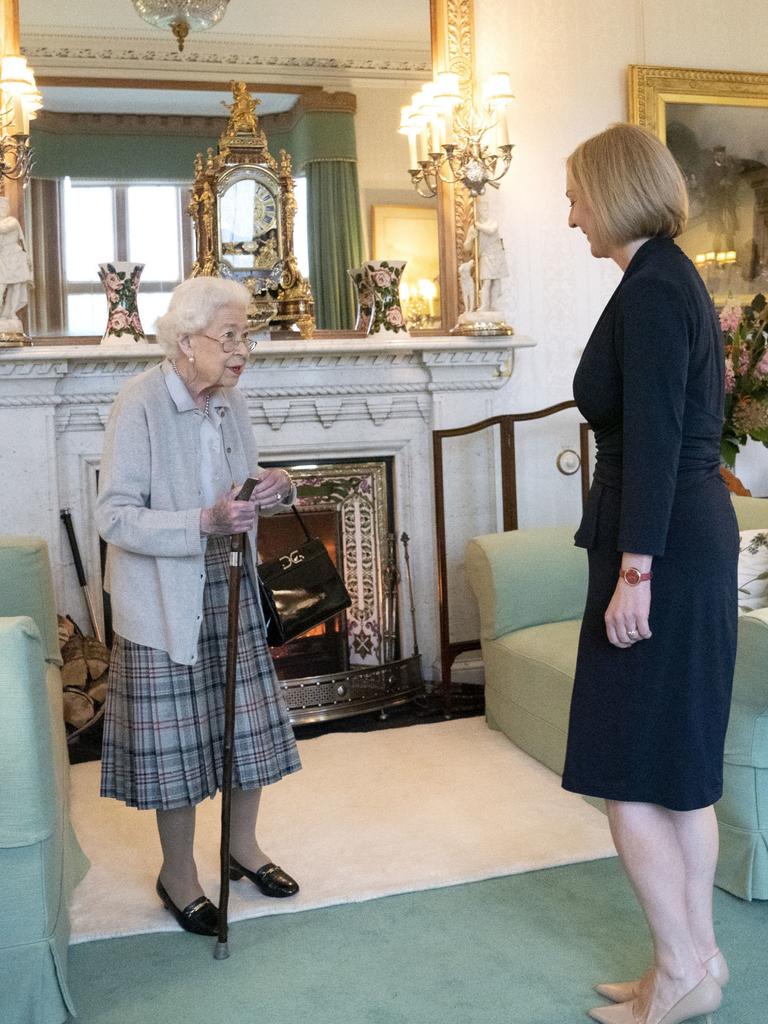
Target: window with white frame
145,223
106,222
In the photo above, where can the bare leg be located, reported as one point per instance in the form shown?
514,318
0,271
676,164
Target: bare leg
647,843
243,845
698,839
179,871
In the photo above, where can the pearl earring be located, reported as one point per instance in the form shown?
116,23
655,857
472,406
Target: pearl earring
191,359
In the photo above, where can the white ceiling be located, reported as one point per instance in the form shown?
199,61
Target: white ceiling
336,44
347,21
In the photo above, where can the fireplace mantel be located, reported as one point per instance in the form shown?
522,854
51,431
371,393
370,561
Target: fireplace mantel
324,398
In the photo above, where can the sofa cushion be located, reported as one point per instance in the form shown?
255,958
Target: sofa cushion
535,667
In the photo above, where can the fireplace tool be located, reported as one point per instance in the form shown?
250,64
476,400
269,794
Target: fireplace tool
66,517
236,546
405,539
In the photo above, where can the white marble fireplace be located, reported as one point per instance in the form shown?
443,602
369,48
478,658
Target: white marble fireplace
321,399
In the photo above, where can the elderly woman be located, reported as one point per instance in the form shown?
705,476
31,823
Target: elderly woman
655,665
178,445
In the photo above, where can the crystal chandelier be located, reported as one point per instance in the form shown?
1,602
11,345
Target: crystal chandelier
181,16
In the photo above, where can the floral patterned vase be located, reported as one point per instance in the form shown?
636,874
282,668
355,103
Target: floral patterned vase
365,301
384,276
121,283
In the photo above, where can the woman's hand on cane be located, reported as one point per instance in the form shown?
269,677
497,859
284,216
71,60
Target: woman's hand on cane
228,515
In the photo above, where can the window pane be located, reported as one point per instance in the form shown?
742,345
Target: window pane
151,306
154,231
89,231
87,314
300,239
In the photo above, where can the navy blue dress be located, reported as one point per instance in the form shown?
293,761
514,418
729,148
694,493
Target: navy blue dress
648,722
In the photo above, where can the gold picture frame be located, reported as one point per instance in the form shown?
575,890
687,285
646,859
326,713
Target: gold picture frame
714,122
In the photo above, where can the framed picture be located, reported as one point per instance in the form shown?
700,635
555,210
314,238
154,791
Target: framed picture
716,125
410,233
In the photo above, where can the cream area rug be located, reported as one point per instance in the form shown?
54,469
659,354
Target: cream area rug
369,815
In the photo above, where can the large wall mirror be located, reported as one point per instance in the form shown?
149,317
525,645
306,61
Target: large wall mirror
124,114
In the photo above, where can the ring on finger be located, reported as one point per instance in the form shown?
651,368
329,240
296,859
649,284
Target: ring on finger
632,634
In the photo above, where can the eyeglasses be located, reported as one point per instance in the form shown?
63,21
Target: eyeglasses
230,340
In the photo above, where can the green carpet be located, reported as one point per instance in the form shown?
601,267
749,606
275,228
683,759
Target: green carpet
523,949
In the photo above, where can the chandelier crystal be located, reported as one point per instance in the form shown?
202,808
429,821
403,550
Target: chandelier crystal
181,16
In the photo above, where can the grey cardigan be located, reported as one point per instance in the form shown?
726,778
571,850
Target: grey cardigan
148,510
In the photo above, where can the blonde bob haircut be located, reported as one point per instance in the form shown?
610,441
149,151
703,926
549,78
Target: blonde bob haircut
193,305
632,183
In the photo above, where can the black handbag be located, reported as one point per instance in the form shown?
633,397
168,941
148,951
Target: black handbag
300,589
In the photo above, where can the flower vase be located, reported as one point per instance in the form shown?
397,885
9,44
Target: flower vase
364,296
121,283
384,277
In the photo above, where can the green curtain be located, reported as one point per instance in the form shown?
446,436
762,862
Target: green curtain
335,239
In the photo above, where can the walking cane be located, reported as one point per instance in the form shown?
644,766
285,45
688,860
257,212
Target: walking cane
236,546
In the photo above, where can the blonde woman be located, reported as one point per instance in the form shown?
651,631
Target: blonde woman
178,444
653,680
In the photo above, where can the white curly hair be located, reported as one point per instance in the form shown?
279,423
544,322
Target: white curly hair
193,305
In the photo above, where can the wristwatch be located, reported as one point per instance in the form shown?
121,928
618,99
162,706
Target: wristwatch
633,576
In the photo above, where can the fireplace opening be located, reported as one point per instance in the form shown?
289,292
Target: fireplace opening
353,663
325,647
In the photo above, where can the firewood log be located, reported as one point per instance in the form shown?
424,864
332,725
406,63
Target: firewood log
78,708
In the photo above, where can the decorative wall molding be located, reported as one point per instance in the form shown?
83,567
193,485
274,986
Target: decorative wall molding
59,123
58,48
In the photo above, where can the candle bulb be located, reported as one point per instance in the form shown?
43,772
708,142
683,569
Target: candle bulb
423,144
20,120
414,163
502,133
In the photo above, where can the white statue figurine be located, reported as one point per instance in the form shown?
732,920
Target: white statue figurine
493,262
15,271
467,283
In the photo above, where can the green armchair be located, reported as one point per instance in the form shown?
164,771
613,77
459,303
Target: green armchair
40,859
530,587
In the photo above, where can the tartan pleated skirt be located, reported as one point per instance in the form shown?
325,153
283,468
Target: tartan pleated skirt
164,722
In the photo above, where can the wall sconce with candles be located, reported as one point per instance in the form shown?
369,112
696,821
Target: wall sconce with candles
462,143
21,101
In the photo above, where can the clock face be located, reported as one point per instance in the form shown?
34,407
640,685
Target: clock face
264,210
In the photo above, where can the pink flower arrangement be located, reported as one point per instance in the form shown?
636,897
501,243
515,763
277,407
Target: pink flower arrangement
745,333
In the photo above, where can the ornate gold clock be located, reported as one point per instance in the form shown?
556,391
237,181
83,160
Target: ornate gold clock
243,209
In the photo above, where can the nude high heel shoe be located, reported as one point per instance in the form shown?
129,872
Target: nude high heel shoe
701,1001
623,991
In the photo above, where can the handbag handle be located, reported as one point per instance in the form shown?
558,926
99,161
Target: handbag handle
301,522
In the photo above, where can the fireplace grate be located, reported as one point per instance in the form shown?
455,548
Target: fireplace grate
340,694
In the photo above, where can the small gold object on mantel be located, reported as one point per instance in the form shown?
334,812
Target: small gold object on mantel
243,208
13,340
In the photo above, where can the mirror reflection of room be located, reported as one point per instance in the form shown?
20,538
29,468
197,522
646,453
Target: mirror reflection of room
117,153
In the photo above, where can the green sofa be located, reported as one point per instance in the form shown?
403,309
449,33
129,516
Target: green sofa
530,587
40,859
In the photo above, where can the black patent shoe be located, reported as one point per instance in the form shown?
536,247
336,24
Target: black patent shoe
270,879
200,917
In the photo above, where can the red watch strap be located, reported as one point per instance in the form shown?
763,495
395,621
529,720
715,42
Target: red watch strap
632,576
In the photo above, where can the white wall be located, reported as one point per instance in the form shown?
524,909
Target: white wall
568,61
